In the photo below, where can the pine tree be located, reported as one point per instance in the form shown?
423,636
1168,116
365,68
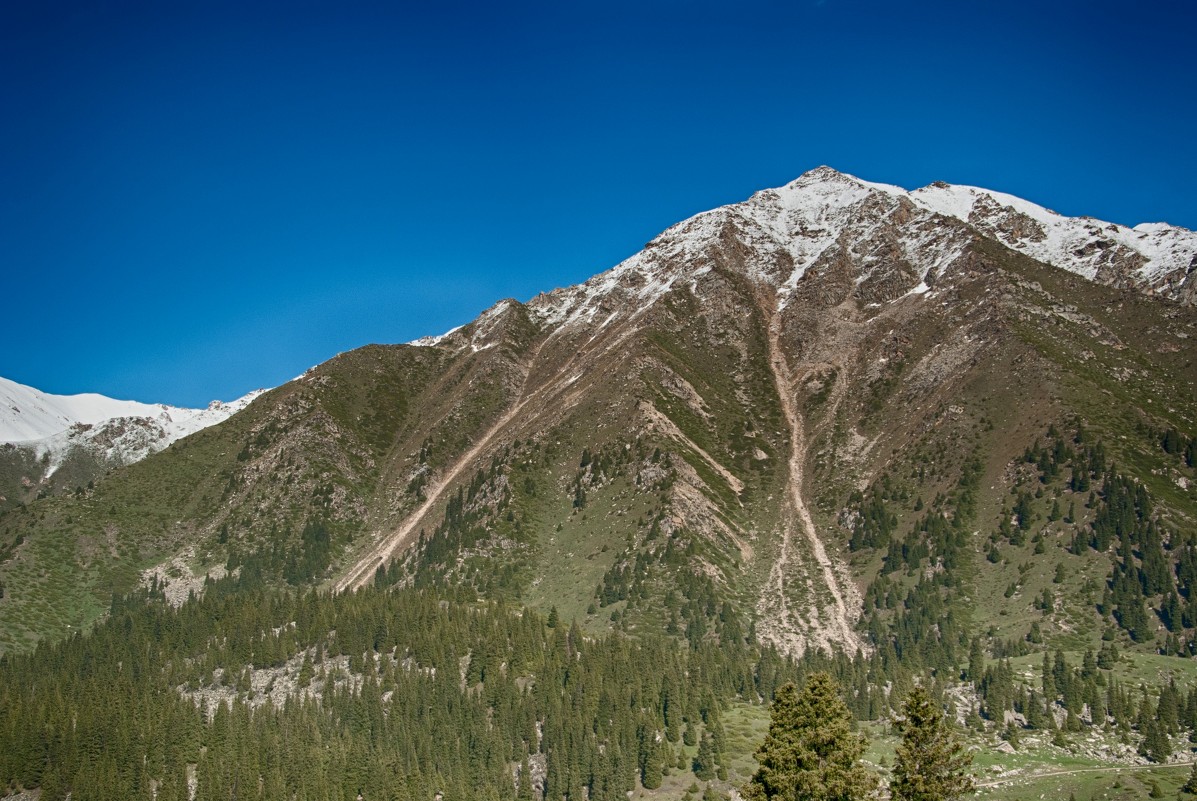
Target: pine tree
525,792
810,752
654,766
930,764
976,661
1155,745
704,761
711,794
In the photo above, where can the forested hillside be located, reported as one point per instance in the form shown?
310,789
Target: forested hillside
251,693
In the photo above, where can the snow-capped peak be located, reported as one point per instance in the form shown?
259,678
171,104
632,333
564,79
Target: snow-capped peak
813,213
27,413
828,177
825,213
30,414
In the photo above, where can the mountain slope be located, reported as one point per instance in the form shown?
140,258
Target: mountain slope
804,417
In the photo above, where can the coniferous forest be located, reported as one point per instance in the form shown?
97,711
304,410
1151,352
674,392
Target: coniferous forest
252,692
382,694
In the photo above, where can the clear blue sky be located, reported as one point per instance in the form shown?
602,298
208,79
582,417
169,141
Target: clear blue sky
198,199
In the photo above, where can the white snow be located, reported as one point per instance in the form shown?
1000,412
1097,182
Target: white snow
822,210
125,431
483,327
27,413
429,341
1082,245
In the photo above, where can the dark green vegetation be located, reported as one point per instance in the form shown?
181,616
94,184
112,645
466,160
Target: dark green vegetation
262,694
811,751
23,476
931,763
244,492
634,475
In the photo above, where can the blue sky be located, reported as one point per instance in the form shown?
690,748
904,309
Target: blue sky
198,199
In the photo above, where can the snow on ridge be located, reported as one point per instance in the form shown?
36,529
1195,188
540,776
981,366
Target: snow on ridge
630,287
801,219
28,414
1083,245
830,182
435,339
1152,252
483,327
958,200
180,423
124,431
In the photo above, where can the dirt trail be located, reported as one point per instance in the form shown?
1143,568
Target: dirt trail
670,429
363,570
1053,773
831,625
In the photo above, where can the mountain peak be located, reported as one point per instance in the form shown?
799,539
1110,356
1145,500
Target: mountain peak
893,238
824,173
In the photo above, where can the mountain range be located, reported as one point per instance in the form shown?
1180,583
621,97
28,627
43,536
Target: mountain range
837,415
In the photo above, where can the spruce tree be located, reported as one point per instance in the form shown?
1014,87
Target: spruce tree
1155,745
704,761
654,766
525,792
976,661
930,763
811,752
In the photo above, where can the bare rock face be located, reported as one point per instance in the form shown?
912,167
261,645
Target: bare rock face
1004,223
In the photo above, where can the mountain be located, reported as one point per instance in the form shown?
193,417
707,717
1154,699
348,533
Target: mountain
836,415
1155,258
50,442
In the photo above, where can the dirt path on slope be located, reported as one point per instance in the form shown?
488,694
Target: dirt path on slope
363,570
669,428
831,625
1048,774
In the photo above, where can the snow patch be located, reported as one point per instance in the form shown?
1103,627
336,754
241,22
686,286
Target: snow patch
1153,253
121,431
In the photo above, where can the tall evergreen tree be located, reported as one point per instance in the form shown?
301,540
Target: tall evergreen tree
930,764
704,761
811,752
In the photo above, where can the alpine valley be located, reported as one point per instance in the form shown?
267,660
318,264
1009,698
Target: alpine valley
942,435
